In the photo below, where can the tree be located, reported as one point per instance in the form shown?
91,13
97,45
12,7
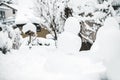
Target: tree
51,13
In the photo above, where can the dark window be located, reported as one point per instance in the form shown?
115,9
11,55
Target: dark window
0,29
38,28
2,15
13,11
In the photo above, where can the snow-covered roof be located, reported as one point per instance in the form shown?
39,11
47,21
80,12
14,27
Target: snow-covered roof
25,15
8,6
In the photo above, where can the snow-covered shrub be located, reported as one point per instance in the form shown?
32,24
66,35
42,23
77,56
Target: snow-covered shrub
104,10
17,39
15,36
5,41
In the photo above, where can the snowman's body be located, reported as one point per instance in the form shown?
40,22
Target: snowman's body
69,41
107,47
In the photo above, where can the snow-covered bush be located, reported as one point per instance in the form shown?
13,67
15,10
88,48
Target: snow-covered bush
17,39
15,36
5,41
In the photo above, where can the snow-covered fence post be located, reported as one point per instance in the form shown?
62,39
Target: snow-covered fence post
30,34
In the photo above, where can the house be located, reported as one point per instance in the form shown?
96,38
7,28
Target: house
7,12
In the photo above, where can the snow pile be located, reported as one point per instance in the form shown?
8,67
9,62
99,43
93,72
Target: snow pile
38,41
47,64
49,36
68,41
106,47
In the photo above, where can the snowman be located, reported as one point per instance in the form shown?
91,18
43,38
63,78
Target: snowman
69,41
107,47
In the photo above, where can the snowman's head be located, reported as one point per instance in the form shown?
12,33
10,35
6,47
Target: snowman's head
72,25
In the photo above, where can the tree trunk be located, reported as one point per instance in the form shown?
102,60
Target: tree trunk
53,26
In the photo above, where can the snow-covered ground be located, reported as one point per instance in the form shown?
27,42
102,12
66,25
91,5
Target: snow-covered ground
43,63
50,63
42,60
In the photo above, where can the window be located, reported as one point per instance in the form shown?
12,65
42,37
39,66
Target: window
38,28
2,15
13,11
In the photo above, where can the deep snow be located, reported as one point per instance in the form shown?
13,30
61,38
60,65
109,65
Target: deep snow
47,64
64,62
50,63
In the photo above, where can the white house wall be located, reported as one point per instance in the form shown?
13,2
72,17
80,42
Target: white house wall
9,13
